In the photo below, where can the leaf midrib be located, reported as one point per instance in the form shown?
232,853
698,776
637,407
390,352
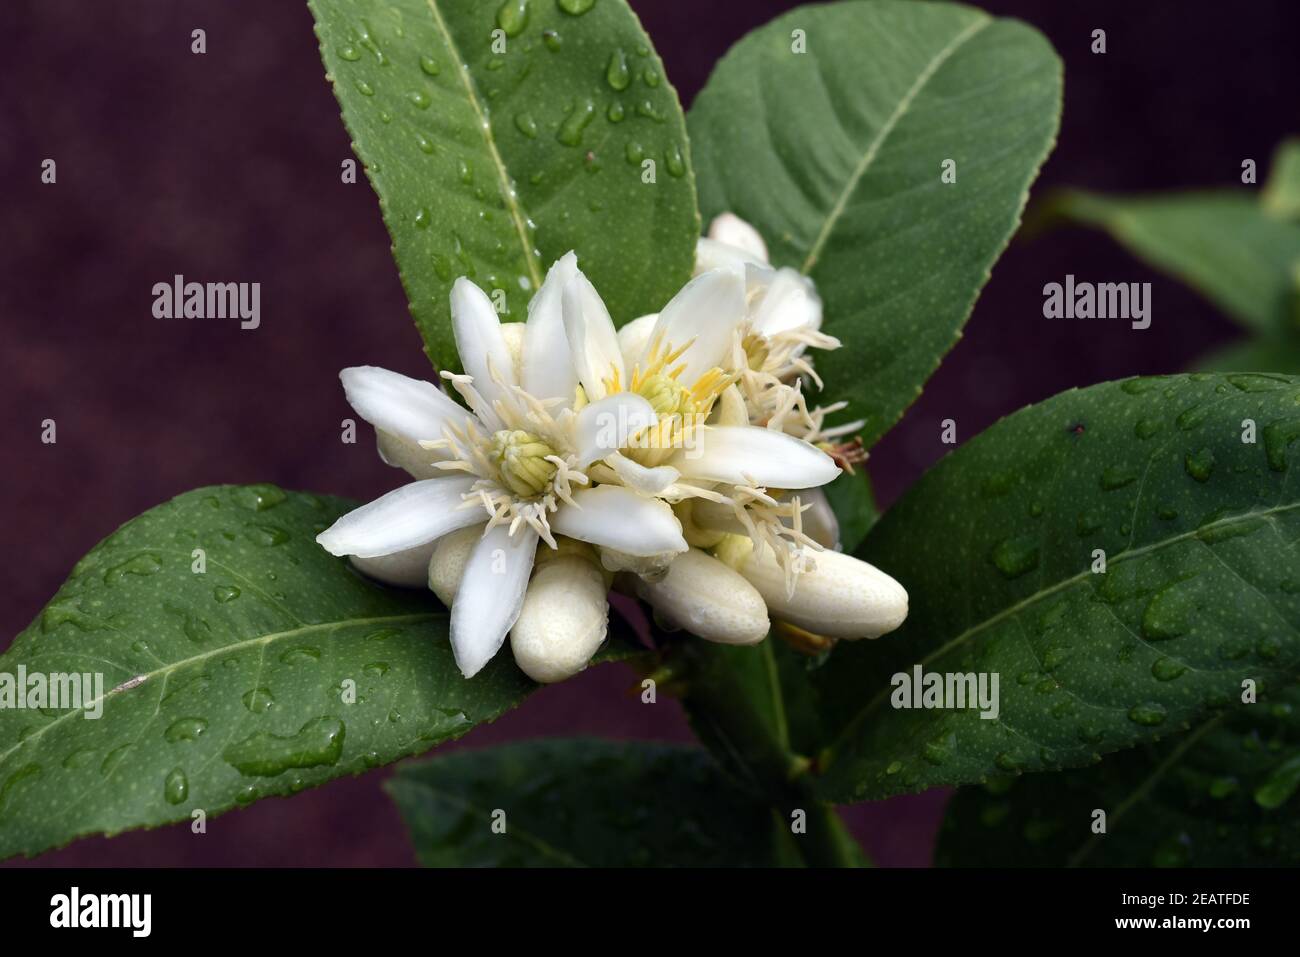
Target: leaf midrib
508,194
850,727
146,677
873,148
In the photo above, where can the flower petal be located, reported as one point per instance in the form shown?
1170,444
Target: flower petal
747,454
731,229
705,314
410,409
605,426
647,481
593,343
490,595
483,350
633,337
548,367
619,518
402,453
405,517
790,302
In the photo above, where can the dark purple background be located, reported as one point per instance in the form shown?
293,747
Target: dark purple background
226,166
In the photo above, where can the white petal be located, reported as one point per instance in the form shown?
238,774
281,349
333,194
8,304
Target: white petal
447,563
741,455
633,337
840,596
490,595
512,334
548,367
637,477
705,313
483,350
405,517
708,599
605,426
563,620
790,302
731,229
408,569
409,408
405,454
711,254
593,343
621,519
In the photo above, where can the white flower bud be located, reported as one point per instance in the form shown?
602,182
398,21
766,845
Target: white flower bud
447,564
731,229
709,599
563,619
839,597
408,569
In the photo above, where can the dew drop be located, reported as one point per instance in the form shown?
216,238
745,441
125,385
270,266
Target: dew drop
259,498
570,132
185,729
1148,715
526,125
617,75
429,65
1167,669
1016,556
575,8
225,593
1200,464
512,17
176,787
318,743
259,700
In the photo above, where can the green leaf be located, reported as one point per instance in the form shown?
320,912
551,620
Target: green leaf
836,154
1281,196
1219,243
1258,354
225,685
997,547
584,803
492,164
1222,795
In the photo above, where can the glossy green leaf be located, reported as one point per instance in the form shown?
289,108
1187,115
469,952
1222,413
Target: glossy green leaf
1001,548
1281,196
836,155
500,135
228,644
1222,795
586,802
1257,354
1220,243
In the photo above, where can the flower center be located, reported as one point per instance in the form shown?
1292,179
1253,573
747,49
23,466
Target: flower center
756,351
521,458
666,395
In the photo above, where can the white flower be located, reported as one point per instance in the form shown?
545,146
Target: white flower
783,321
514,462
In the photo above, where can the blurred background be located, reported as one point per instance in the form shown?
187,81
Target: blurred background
226,167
